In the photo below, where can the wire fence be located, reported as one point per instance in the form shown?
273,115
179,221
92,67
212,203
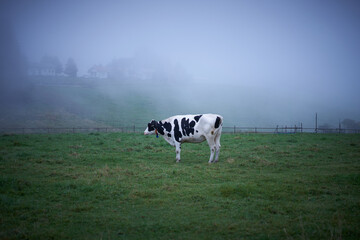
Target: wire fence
287,130
138,129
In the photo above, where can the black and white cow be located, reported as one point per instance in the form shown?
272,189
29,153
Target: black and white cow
190,128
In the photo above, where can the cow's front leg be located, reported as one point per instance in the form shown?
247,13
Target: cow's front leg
178,150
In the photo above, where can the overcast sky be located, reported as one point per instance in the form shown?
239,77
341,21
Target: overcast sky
307,50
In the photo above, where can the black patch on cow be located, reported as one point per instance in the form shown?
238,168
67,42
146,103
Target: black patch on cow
187,127
197,118
169,135
177,132
159,127
167,126
151,126
197,131
217,122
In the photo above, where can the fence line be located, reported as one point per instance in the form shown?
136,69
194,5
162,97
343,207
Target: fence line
287,130
135,129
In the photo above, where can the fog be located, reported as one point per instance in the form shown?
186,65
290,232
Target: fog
258,63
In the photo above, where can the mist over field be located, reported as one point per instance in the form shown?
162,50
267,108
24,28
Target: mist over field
103,63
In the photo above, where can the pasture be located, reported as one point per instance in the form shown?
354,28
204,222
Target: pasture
128,186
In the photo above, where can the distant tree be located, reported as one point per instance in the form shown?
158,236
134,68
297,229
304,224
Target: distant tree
71,68
53,61
14,86
350,124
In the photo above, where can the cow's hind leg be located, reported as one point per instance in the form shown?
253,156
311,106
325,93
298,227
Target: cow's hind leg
212,153
217,150
217,146
212,145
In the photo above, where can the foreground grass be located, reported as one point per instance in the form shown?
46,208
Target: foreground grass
128,186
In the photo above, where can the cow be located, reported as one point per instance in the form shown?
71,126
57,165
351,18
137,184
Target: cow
189,128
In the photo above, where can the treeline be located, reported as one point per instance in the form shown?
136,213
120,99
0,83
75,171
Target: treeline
345,124
350,124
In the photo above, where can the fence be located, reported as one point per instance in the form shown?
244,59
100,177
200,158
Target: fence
287,130
49,130
136,129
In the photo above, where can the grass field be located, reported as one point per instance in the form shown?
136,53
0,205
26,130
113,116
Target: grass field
128,186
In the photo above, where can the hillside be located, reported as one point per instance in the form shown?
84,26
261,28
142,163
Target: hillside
66,102
62,102
78,105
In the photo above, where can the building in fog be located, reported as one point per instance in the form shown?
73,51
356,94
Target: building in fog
98,71
131,68
41,69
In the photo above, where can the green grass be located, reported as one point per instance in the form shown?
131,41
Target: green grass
128,186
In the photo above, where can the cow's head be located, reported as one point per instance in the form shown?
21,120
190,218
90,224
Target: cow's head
151,128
